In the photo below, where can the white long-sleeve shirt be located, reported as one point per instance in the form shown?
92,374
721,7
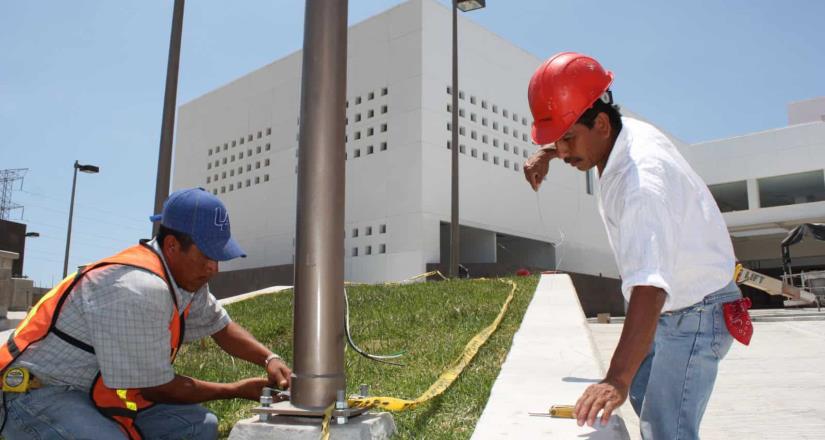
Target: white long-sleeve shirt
662,222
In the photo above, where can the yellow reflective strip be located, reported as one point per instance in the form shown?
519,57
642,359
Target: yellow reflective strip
46,297
129,405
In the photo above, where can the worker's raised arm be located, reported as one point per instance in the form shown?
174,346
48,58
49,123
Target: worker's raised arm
538,164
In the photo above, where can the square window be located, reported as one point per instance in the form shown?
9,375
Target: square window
384,91
506,146
249,152
472,99
357,100
382,229
524,137
258,165
370,149
474,152
485,157
257,180
223,175
449,146
484,139
248,182
240,155
515,150
504,113
524,153
231,186
266,162
355,252
382,249
370,131
232,158
461,112
495,143
368,250
223,189
515,166
495,125
506,130
462,149
249,138
241,142
449,90
461,131
210,151
371,113
215,191
495,160
268,131
240,170
233,144
473,135
449,127
215,177
232,172
357,135
368,230
495,109
354,232
224,161
371,96
384,109
260,134
209,166
473,117
358,117
383,128
506,163
258,149
449,108
208,179
217,163
484,121
524,121
460,94
266,177
249,167
383,146
357,152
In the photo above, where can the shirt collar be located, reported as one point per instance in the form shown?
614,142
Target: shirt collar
619,153
182,293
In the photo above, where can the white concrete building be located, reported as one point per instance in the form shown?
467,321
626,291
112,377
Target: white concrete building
240,141
768,182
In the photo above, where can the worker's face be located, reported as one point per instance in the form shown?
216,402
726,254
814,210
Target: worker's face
584,147
190,268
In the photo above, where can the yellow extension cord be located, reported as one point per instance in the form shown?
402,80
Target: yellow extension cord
444,380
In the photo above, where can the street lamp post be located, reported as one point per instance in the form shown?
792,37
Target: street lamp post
91,169
465,6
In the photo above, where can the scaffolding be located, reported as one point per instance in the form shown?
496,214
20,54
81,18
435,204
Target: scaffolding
8,179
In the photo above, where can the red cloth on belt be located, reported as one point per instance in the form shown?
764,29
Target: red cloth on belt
738,320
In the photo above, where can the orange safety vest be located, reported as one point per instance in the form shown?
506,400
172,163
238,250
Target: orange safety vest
120,405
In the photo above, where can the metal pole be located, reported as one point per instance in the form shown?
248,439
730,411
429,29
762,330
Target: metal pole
167,128
454,235
69,231
318,342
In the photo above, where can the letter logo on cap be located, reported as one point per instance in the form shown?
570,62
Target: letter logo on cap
221,218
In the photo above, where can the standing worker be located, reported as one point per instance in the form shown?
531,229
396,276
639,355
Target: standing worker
93,359
669,239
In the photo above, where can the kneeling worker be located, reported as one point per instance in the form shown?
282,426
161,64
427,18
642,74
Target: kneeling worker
100,345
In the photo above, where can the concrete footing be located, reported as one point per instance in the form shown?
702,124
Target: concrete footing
369,426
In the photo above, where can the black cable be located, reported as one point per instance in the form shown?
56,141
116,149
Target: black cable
374,357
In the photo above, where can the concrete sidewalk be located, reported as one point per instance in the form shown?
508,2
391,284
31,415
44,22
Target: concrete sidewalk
552,360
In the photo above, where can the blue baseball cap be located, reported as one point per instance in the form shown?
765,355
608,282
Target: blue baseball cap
202,216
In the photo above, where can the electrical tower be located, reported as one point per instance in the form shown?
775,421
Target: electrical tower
7,180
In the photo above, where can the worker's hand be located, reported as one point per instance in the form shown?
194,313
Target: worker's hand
537,165
280,375
251,388
605,397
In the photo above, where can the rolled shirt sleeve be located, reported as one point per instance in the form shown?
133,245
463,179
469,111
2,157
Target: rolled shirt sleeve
206,316
647,241
129,328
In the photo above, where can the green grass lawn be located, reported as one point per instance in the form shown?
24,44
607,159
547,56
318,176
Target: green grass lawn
430,321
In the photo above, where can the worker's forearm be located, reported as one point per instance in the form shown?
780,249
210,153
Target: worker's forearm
185,390
238,342
643,312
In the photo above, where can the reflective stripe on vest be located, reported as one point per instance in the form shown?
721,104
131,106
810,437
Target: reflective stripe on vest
119,405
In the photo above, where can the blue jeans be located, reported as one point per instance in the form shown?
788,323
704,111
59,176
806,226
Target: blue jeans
57,412
672,387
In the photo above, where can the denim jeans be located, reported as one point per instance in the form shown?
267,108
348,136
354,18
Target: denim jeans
672,387
56,412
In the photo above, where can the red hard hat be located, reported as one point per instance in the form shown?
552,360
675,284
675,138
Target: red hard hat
563,88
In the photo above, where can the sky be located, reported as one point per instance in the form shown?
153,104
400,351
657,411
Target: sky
84,80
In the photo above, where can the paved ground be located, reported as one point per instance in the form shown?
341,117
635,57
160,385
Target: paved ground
772,389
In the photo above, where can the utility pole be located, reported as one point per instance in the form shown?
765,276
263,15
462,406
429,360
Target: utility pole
167,128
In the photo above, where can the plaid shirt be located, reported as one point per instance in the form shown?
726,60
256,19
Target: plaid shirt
124,313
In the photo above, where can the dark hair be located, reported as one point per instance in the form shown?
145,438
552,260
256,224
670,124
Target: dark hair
588,118
184,240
